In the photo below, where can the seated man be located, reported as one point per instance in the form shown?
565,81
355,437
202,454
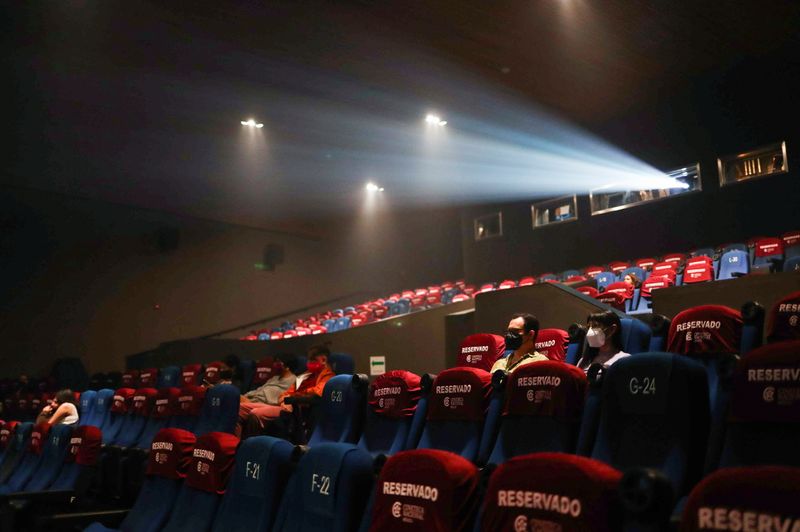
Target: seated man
269,393
309,384
521,337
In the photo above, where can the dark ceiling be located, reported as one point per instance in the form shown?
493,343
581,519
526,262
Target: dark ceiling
139,103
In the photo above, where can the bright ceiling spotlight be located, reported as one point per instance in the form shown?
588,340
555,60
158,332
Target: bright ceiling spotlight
372,187
252,123
435,120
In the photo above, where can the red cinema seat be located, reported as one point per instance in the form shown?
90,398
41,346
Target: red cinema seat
211,374
612,299
148,378
191,374
130,379
677,258
458,298
552,343
767,251
381,312
576,279
480,351
469,289
592,271
263,372
190,403
646,263
505,285
588,290
791,239
290,334
745,498
784,319
417,302
407,294
527,281
553,492
433,298
425,489
665,268
392,403
421,292
618,266
654,282
277,335
698,270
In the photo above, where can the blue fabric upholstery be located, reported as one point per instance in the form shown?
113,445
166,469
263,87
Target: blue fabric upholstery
655,413
247,369
151,428
220,410
603,279
86,407
153,505
640,273
260,475
15,451
734,263
194,511
635,336
329,490
101,413
342,363
169,377
341,412
52,458
566,274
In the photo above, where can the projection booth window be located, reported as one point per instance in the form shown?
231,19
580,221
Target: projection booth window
489,226
610,198
762,162
554,211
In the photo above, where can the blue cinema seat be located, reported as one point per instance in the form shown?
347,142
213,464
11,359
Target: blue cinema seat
86,405
220,410
340,413
393,402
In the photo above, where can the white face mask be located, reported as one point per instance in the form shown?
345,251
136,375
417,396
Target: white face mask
596,337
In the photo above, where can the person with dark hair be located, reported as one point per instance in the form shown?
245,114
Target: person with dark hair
231,371
270,392
604,339
521,339
61,409
632,280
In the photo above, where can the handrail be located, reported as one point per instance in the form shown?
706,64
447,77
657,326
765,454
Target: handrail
284,314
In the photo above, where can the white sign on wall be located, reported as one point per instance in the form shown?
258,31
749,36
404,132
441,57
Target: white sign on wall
377,365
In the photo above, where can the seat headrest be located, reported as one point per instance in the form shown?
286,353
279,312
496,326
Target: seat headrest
592,271
189,374
395,394
143,401
263,371
170,453
698,272
38,437
784,319
87,399
707,329
122,400
480,351
792,238
552,343
617,267
646,263
84,446
612,299
425,489
148,377
166,404
212,462
622,288
677,258
552,491
767,247
7,433
663,267
641,384
190,400
130,379
460,394
765,384
745,498
588,290
656,282
547,389
211,375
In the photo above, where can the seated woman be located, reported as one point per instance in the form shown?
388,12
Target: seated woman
605,340
61,409
271,392
632,280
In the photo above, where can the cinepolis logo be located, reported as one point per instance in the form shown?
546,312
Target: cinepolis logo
530,395
397,510
446,401
521,524
769,394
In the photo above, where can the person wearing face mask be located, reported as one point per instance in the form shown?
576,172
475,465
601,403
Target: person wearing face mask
308,384
604,338
521,338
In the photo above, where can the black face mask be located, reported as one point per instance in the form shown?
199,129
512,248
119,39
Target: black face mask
513,340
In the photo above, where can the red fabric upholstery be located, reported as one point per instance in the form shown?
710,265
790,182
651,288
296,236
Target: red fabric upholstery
654,283
593,271
211,375
765,385
698,272
784,319
646,263
621,288
677,258
480,350
212,462
148,378
612,299
7,432
130,379
263,372
143,401
122,401
425,489
395,394
38,437
705,329
792,238
745,498
84,446
460,394
575,279
190,400
551,389
767,247
552,343
166,404
527,281
588,290
189,374
552,491
170,453
618,266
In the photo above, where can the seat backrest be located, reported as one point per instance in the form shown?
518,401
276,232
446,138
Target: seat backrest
7,434
576,493
142,405
480,351
458,406
548,277
784,319
86,406
31,458
253,495
676,258
211,375
656,282
207,476
427,488
698,270
392,402
646,263
527,281
341,410
742,498
119,409
635,335
617,267
552,343
764,417
53,452
767,249
604,279
588,290
654,413
593,271
342,363
164,407
263,372
191,375
169,377
542,411
733,263
566,274
635,270
16,449
167,465
328,491
220,410
82,453
148,378
190,403
614,300
130,378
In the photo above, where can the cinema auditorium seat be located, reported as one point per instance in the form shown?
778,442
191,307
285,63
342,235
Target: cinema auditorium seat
262,372
640,273
80,461
169,459
784,319
646,264
745,498
654,413
148,378
791,250
480,351
635,336
211,373
424,490
542,411
698,270
732,264
118,414
577,336
566,274
603,279
164,407
342,363
130,378
653,283
220,410
169,377
767,255
86,406
340,412
7,429
328,491
191,375
461,410
190,403
392,404
763,425
29,462
527,281
15,451
615,300
552,491
588,290
552,343
51,460
142,404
